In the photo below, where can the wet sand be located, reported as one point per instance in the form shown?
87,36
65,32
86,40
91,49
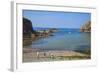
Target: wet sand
36,55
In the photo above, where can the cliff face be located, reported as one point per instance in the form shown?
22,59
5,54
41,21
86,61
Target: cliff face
27,27
86,27
28,32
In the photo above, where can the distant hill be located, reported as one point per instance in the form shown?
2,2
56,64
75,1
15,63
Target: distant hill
86,27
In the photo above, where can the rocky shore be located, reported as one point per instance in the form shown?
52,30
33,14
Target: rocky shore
29,34
35,54
86,27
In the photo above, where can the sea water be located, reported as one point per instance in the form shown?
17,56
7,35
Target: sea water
64,39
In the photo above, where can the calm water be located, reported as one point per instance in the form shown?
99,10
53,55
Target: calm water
64,39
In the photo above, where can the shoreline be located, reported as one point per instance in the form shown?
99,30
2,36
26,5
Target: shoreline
36,55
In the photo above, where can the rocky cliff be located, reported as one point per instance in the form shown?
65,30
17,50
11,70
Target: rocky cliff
29,33
86,27
27,27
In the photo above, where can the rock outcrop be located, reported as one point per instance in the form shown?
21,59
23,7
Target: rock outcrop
28,32
86,27
27,27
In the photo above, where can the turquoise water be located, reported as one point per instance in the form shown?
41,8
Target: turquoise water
64,39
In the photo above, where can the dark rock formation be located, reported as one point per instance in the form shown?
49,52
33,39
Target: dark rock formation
28,32
86,27
27,28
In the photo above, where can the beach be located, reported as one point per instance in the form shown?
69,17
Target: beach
56,36
36,55
64,44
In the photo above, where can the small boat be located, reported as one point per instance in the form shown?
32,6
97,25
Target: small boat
69,32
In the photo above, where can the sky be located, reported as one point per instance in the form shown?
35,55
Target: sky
53,19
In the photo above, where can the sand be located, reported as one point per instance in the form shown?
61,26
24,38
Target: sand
35,55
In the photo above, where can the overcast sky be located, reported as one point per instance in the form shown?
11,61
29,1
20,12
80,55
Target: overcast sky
56,19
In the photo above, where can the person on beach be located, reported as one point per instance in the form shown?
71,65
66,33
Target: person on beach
44,54
51,55
37,55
